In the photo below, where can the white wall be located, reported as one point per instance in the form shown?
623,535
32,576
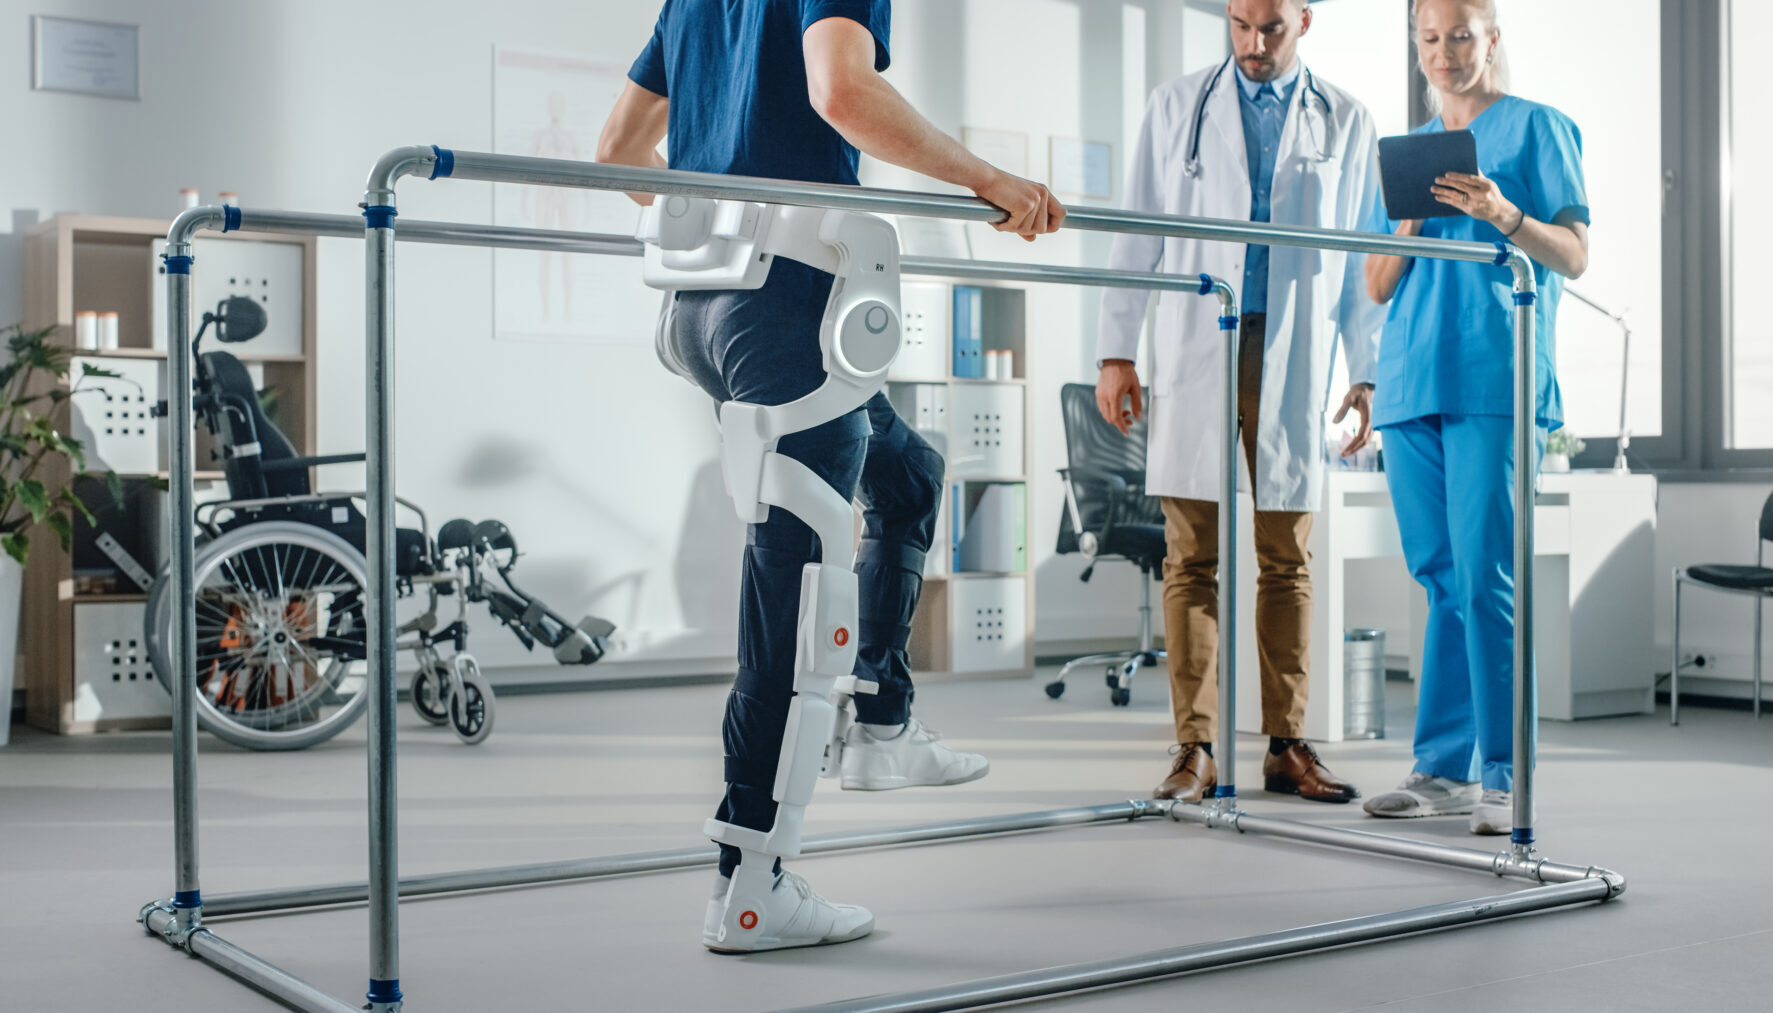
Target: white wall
563,442
289,103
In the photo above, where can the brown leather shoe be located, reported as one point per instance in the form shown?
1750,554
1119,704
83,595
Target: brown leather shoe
1192,777
1298,771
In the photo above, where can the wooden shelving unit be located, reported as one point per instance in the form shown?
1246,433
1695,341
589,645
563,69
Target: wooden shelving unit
977,623
75,263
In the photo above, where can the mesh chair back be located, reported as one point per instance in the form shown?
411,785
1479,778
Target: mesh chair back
1091,442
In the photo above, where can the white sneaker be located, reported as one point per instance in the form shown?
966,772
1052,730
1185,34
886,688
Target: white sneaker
790,914
915,756
1494,814
1425,795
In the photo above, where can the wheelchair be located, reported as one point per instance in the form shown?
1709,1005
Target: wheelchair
280,585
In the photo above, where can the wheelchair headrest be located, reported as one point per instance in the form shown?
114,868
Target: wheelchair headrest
457,534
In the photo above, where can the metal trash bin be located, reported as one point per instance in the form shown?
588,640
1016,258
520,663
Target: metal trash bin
1363,684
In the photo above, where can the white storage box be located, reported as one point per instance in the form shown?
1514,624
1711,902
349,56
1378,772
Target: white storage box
989,620
267,272
926,316
112,675
111,415
984,430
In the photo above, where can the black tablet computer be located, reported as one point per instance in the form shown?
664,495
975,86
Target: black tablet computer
1409,164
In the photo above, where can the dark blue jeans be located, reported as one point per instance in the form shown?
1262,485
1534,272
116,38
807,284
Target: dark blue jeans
762,347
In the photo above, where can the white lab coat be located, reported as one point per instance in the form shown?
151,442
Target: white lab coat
1314,296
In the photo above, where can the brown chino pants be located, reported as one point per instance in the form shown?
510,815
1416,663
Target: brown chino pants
1283,589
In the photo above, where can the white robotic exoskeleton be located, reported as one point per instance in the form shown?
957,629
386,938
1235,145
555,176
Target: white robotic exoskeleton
697,243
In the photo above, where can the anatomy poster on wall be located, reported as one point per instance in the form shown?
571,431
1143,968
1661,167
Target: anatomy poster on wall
552,105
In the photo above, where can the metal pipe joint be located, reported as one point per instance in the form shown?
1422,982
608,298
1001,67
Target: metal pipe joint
174,925
412,160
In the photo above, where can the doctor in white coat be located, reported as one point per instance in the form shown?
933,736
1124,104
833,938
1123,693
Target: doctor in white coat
1258,137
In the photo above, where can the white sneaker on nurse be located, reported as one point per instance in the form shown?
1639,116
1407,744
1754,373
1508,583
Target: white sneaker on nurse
789,915
1494,813
915,756
1425,795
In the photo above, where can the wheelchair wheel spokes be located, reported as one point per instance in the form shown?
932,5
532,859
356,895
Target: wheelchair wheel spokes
280,625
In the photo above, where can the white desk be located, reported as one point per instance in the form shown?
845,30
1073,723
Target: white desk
1594,554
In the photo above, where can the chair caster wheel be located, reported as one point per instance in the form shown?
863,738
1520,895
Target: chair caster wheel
1112,678
1055,690
1121,697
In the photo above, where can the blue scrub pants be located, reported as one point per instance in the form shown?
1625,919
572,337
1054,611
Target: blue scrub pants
762,347
1452,488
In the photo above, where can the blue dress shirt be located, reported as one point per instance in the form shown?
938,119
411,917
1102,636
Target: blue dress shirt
1264,107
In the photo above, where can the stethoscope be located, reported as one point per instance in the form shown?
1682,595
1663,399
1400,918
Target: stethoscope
1192,165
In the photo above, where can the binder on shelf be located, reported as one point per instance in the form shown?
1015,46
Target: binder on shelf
957,516
931,422
969,331
993,536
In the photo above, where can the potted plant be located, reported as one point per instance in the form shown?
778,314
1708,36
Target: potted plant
1560,447
32,397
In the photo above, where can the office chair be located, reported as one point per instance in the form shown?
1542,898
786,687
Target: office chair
1755,581
1109,517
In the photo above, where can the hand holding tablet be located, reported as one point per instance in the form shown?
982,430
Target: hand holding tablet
1411,165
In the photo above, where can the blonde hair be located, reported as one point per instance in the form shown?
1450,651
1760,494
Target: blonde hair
1498,71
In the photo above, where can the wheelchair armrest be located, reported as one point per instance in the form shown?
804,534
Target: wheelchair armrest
304,463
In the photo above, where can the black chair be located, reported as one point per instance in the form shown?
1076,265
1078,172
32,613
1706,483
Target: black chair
1108,516
1754,581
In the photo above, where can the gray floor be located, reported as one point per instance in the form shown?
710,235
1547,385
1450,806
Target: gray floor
84,841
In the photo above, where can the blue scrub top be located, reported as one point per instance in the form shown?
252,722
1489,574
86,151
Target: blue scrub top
736,79
1448,343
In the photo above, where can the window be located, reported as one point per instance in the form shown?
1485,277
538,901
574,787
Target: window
1621,127
1748,341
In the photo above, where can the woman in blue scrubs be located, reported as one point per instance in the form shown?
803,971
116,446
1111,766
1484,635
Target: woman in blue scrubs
1444,398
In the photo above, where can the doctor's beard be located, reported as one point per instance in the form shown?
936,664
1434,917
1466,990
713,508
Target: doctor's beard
1259,68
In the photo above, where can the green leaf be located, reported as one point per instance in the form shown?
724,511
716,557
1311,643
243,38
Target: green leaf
67,496
63,528
87,370
76,453
114,485
16,545
34,498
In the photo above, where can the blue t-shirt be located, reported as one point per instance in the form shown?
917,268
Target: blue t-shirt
1448,343
736,77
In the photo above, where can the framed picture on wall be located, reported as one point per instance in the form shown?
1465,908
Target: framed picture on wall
1080,168
85,57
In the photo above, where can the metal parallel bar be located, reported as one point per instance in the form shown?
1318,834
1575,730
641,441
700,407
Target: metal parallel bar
1207,956
187,899
501,237
384,886
1505,863
1526,466
479,165
255,971
379,267
682,858
491,167
1229,339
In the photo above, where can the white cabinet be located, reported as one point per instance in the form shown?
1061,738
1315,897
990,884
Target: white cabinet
1593,570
